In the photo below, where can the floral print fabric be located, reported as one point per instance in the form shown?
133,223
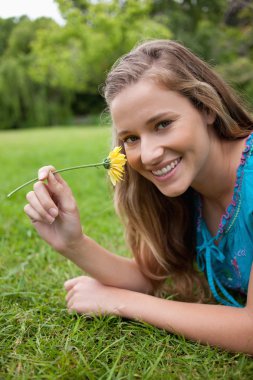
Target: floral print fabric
226,258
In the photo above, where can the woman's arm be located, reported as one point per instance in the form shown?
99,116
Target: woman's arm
223,326
226,327
108,268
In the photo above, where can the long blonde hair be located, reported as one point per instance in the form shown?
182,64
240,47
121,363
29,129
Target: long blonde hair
160,230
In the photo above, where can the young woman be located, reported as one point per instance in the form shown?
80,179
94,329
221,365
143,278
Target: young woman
186,203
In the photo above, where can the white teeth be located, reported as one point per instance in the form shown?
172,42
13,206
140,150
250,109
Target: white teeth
166,169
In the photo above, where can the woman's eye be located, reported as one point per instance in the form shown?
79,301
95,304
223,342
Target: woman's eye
163,124
130,139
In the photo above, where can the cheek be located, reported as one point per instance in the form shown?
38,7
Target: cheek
133,159
195,139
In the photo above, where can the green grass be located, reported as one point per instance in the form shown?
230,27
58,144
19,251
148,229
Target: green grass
38,338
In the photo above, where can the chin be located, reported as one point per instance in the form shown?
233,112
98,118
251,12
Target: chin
173,193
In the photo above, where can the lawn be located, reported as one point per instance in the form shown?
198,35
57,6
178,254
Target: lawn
38,338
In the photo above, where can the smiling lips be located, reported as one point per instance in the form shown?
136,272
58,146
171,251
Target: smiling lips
167,168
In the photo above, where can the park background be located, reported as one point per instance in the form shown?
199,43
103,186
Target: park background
52,74
52,112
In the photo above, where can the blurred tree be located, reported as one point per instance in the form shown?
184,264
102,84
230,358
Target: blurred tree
219,31
239,12
6,26
48,71
239,70
78,55
23,101
183,16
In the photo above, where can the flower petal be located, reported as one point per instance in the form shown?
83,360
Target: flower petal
117,161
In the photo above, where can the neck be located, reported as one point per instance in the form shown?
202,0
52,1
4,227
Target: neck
226,155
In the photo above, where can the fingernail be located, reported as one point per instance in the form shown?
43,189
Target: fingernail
53,212
42,175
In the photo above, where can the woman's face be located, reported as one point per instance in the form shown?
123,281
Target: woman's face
165,138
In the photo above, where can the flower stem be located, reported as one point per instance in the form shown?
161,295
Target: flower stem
57,171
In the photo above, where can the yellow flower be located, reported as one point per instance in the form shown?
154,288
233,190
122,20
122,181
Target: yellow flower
115,164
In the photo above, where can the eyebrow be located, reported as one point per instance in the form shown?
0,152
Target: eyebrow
149,121
157,117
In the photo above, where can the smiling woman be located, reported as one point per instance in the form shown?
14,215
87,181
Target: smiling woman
186,199
146,115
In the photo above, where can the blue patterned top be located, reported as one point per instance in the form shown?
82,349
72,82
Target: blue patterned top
227,263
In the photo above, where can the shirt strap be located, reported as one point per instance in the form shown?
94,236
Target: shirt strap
205,253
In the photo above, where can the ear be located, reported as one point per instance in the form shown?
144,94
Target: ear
210,116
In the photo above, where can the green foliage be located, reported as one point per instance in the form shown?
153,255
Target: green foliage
219,31
38,338
48,72
24,101
78,55
240,74
6,27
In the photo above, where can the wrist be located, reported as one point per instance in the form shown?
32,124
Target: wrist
128,303
73,248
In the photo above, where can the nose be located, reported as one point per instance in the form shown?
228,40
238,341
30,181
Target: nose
151,152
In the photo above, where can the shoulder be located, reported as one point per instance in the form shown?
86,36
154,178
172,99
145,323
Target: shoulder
247,155
244,181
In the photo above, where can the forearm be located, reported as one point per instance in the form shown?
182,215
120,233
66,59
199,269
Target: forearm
226,327
108,268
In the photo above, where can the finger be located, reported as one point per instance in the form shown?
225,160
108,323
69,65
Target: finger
71,309
43,174
44,171
71,303
74,306
60,179
54,185
34,215
70,294
43,200
49,213
72,282
62,192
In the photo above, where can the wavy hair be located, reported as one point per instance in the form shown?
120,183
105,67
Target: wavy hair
160,231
